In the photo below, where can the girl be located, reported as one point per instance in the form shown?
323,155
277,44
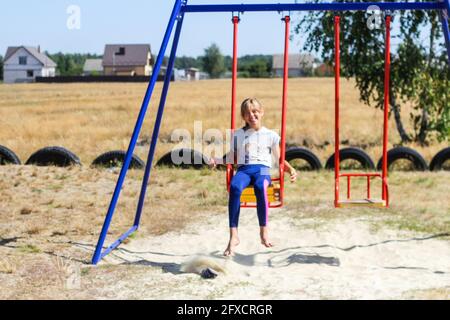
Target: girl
252,148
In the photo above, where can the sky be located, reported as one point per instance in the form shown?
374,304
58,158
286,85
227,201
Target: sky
44,23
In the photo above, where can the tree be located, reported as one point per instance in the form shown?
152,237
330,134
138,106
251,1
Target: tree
419,74
71,64
185,62
1,67
213,61
255,66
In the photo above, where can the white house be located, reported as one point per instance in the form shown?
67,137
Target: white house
24,64
192,74
93,67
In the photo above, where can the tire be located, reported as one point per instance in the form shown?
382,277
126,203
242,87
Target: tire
53,156
439,159
197,159
352,153
113,159
304,154
398,153
7,156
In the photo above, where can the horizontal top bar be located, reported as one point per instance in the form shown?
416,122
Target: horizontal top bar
346,6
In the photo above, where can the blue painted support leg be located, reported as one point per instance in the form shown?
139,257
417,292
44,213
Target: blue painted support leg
445,18
98,250
157,125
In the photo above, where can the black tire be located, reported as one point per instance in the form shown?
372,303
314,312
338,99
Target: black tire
53,156
439,159
197,159
7,156
398,153
113,159
304,154
352,153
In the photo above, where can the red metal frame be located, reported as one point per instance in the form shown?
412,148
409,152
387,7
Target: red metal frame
384,173
387,72
235,20
287,22
230,170
337,75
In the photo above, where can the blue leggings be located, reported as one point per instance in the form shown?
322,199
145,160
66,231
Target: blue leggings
259,177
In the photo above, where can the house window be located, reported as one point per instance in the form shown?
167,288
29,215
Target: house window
121,51
23,60
30,73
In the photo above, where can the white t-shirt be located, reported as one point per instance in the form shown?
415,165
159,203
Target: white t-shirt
254,147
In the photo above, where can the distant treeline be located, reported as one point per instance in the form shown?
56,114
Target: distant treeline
249,66
71,64
254,66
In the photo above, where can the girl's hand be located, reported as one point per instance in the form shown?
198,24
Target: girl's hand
293,174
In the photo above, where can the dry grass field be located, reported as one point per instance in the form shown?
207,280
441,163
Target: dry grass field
50,218
90,119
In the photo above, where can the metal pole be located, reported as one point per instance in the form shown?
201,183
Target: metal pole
157,125
445,17
287,20
97,254
336,108
387,70
333,6
235,21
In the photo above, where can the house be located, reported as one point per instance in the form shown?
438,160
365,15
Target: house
24,64
192,74
299,65
93,67
127,60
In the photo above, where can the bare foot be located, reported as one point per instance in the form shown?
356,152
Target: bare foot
229,251
264,234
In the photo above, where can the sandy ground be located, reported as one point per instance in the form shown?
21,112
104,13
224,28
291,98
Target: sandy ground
327,261
50,219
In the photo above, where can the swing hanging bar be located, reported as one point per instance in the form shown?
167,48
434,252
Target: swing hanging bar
276,190
235,20
280,7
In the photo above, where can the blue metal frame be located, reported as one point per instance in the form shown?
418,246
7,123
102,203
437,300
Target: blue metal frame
333,6
98,254
445,17
177,16
157,125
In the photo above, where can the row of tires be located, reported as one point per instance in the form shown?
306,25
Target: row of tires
59,156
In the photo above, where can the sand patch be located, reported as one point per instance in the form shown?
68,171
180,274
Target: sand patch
344,260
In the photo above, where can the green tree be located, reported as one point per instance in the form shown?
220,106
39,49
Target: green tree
185,62
213,61
71,64
255,66
1,67
420,73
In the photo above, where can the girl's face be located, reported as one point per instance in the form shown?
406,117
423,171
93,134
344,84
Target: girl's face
253,116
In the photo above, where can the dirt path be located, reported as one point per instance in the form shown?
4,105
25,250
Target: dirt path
310,261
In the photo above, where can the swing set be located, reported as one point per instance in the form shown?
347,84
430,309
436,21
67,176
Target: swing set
276,190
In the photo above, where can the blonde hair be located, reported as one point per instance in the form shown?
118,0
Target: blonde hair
248,103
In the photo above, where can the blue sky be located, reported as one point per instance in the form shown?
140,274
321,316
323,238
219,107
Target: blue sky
44,23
